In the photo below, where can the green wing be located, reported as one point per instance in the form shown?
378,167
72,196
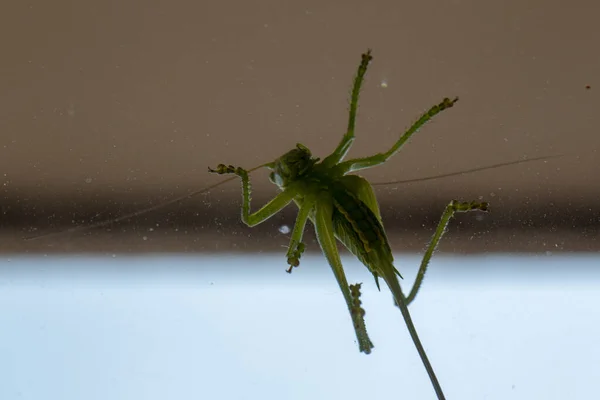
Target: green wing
363,190
357,223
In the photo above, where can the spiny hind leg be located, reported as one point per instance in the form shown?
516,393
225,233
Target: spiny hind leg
453,207
325,236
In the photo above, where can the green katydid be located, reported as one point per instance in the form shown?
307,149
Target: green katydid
343,206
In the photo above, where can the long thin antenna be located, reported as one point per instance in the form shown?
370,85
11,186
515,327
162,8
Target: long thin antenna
466,171
139,212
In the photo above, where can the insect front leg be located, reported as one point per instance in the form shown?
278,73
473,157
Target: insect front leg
452,208
378,159
296,246
268,210
323,220
348,137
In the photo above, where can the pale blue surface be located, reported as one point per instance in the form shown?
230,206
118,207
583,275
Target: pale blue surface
175,327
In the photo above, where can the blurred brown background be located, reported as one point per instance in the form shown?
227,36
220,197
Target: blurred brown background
107,107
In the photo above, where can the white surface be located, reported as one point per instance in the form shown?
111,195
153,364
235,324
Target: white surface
160,327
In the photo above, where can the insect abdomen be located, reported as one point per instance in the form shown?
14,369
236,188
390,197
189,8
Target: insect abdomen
357,227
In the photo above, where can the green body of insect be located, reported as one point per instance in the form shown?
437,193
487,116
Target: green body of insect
343,206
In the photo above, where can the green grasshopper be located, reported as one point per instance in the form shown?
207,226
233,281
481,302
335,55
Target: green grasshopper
343,206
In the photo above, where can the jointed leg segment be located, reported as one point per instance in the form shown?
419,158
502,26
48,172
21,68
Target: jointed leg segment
268,210
344,145
296,246
271,208
327,241
378,159
452,208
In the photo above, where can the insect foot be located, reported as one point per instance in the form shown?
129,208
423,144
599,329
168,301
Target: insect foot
223,169
365,59
446,103
294,255
356,308
469,206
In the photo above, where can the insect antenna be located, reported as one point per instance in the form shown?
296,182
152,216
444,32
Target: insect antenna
466,171
140,212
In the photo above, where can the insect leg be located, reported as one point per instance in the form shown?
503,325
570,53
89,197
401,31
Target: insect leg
296,246
268,210
380,158
324,227
452,208
348,137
